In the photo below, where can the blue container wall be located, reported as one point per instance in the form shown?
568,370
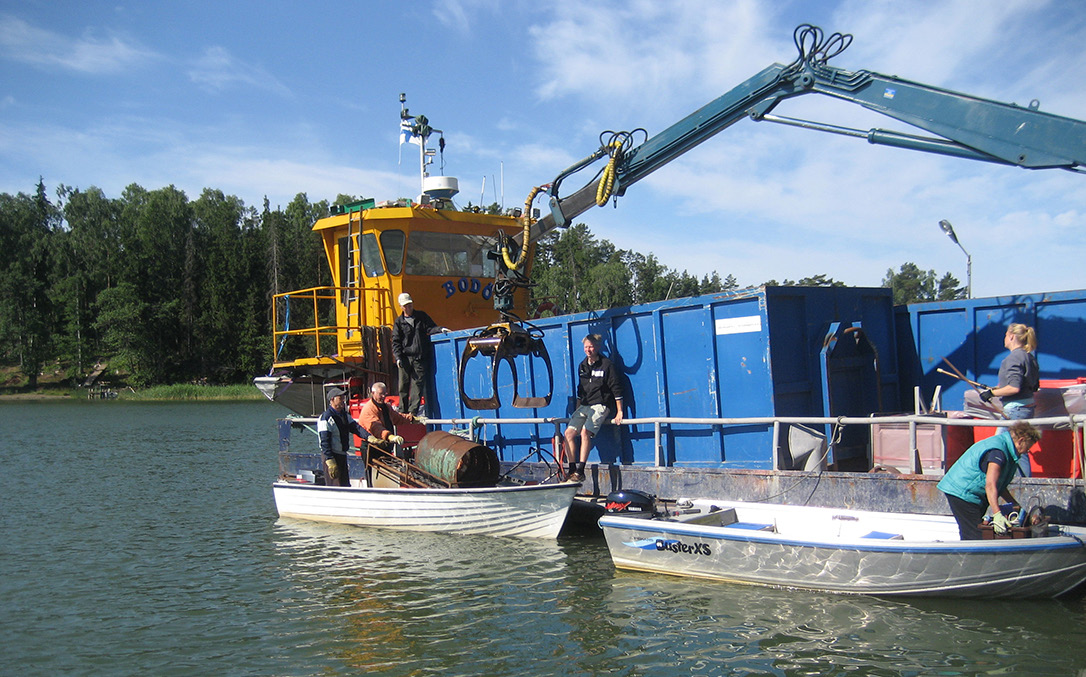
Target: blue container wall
969,335
741,354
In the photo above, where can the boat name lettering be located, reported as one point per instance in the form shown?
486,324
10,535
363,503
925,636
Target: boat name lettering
468,285
684,548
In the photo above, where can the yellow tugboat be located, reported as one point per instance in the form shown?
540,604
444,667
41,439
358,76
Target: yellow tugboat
444,257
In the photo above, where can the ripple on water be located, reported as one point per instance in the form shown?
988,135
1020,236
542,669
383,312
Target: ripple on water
136,557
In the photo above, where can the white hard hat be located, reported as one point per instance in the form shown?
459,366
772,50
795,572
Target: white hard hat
404,299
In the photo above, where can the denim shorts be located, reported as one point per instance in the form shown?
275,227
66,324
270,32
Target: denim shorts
590,417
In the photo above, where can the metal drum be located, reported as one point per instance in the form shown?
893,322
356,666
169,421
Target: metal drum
460,462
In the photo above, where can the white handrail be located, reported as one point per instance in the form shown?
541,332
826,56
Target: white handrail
1075,422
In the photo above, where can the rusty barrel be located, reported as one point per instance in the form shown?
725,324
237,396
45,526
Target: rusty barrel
460,462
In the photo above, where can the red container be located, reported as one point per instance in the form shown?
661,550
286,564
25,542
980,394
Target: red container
958,439
1053,456
1062,382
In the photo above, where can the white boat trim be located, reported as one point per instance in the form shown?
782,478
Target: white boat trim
535,511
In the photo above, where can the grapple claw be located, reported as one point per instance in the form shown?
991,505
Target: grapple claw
504,342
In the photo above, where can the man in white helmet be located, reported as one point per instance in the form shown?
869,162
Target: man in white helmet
411,346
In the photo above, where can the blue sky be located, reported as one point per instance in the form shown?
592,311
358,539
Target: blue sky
259,98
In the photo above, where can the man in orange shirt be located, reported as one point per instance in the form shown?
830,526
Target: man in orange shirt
378,417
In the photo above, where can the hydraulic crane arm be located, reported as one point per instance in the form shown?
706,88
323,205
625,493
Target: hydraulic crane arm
961,125
965,126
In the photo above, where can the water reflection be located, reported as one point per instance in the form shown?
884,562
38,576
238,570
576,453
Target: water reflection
177,564
738,627
412,603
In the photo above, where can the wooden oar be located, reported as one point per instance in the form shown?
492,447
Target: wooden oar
957,372
960,378
979,387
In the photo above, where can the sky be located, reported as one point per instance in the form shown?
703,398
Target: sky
265,99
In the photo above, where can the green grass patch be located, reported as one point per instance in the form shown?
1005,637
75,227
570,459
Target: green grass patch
189,391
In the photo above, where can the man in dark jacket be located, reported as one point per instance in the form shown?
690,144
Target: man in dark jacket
599,396
411,346
334,428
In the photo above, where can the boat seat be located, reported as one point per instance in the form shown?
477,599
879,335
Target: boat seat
751,526
884,535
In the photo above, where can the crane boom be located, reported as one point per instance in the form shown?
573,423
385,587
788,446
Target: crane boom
965,126
961,126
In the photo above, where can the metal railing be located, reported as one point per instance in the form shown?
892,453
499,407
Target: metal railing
323,302
662,424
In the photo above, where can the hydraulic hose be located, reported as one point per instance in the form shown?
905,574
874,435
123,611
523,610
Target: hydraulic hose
526,221
607,181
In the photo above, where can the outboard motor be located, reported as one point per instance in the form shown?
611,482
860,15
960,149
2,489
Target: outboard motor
631,503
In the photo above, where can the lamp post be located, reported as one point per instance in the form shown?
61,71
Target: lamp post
949,230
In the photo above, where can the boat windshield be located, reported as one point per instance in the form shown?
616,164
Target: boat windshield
392,241
371,256
449,254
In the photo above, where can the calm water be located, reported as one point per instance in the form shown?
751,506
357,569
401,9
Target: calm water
141,539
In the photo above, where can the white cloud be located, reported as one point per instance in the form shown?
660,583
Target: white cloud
763,201
218,70
89,54
458,14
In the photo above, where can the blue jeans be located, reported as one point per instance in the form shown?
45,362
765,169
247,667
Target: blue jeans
1016,411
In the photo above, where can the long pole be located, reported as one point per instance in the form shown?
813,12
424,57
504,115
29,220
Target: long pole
968,274
949,230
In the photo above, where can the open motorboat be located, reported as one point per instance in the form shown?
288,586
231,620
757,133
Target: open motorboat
451,485
846,551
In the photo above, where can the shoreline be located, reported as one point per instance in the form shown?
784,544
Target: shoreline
157,394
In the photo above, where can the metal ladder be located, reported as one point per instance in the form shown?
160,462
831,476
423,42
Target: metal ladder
353,296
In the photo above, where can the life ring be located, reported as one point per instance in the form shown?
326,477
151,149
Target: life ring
544,307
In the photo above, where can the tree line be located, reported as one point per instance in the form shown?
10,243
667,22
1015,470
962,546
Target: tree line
172,290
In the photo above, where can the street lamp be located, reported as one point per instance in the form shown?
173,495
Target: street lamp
949,230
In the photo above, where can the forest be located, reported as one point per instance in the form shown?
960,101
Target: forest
171,290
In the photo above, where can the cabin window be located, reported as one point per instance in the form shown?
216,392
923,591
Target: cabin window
371,256
392,241
344,252
450,255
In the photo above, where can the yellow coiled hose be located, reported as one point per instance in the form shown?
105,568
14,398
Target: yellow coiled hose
607,181
526,221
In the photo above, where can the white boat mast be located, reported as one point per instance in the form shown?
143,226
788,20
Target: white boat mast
416,129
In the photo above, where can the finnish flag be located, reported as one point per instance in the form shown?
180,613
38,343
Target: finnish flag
406,136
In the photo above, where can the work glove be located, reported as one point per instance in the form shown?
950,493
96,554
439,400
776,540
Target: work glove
333,468
987,395
1000,523
373,440
395,439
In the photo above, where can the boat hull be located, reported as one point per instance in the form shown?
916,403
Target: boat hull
924,557
304,395
536,511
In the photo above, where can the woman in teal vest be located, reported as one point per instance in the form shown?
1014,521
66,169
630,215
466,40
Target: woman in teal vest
977,480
